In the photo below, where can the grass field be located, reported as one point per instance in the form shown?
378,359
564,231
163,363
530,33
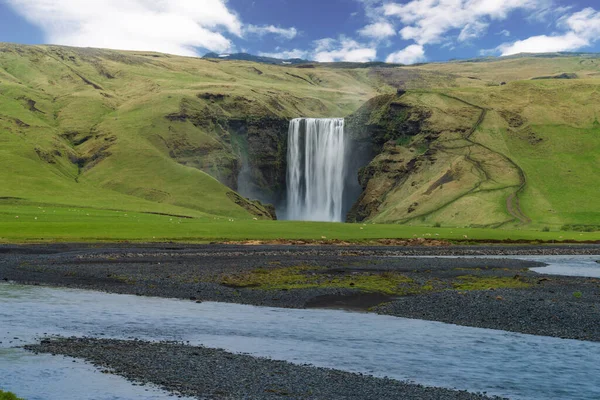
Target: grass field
144,132
23,223
550,130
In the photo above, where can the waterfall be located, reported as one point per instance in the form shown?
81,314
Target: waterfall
316,170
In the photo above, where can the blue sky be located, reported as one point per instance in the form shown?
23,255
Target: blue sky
402,31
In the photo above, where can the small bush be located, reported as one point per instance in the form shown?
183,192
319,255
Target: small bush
577,295
437,225
546,229
8,396
581,228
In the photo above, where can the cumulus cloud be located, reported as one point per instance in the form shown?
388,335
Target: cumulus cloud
284,33
344,49
378,30
410,55
580,29
331,50
170,26
287,54
429,21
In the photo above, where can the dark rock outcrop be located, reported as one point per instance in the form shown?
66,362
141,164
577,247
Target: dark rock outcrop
261,145
560,76
254,207
235,140
379,129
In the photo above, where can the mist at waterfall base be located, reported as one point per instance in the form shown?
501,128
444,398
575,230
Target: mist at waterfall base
320,185
321,167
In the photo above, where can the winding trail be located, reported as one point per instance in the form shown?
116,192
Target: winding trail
513,205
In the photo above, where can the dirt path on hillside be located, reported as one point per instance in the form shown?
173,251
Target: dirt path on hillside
513,206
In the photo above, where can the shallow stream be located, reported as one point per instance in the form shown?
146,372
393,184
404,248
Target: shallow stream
587,266
514,365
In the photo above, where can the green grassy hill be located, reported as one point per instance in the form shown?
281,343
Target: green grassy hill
478,143
139,131
526,153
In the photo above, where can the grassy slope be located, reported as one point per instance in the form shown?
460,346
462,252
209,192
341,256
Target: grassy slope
548,129
511,69
112,103
43,223
556,143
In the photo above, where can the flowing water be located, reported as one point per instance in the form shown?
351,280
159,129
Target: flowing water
510,364
316,170
588,266
566,265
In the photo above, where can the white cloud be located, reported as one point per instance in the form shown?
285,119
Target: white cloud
378,30
410,55
344,49
429,21
544,44
581,29
324,44
331,50
287,54
170,26
548,12
285,33
473,30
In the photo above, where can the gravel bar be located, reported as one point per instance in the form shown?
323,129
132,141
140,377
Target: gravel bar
215,374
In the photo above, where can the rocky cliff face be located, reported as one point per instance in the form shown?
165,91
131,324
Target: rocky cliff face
241,144
260,145
382,131
433,162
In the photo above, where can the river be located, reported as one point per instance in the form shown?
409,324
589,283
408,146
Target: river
514,365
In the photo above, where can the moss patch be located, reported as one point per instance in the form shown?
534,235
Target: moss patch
471,282
305,277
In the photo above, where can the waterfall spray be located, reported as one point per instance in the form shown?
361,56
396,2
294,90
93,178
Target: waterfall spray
316,169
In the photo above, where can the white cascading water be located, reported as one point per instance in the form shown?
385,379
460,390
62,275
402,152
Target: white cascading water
316,169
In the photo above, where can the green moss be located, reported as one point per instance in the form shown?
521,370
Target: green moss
422,148
305,277
471,282
8,396
403,140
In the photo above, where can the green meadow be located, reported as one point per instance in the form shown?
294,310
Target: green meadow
23,223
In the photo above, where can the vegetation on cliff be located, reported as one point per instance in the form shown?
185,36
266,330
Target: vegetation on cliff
149,132
514,155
